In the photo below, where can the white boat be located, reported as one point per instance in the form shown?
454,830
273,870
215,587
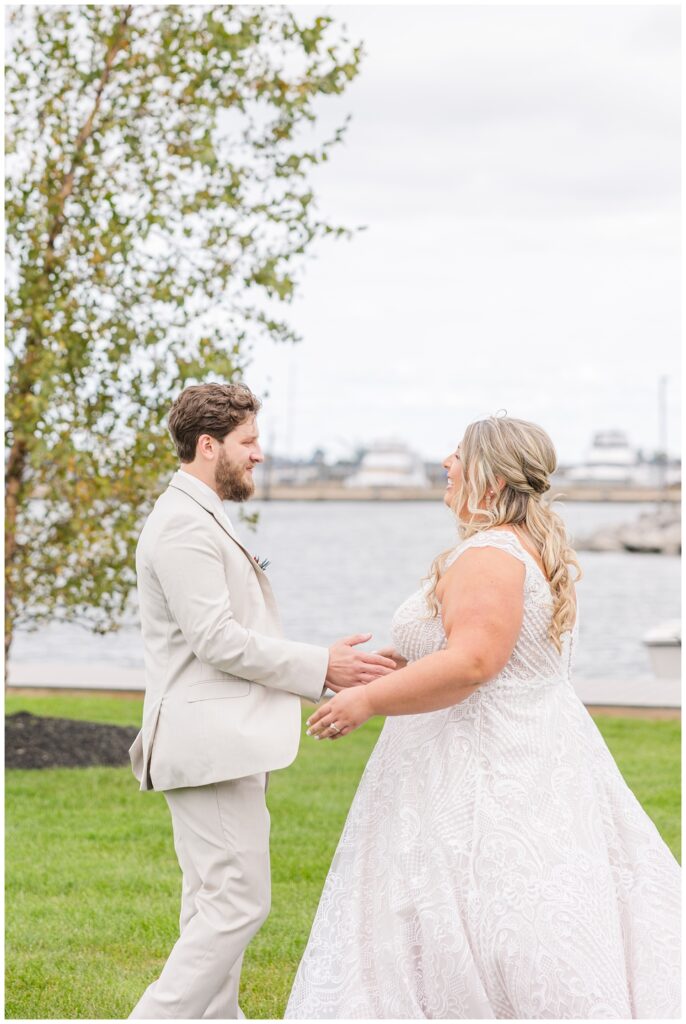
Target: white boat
610,459
389,464
664,645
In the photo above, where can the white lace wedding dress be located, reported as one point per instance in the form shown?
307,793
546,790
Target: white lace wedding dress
494,863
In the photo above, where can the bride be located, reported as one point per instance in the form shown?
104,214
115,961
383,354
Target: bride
494,863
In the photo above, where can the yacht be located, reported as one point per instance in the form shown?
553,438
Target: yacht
610,459
389,464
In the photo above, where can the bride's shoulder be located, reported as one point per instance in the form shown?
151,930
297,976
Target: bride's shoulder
482,561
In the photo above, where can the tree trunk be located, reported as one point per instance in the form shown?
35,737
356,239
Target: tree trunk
14,478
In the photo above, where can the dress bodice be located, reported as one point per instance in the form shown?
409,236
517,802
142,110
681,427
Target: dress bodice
416,632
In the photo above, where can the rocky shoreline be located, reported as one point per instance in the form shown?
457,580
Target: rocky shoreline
655,532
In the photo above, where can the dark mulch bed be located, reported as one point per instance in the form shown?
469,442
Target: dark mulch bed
36,742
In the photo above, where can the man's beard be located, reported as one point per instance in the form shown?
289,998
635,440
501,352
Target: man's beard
232,482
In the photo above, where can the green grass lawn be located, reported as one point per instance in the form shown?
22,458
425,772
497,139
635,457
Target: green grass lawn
93,886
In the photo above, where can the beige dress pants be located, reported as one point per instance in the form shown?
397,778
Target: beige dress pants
221,836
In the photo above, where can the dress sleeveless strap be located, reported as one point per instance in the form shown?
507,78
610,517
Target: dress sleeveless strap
504,540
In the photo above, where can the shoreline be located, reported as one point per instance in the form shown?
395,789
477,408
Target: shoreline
572,493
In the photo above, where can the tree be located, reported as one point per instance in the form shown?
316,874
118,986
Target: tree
158,207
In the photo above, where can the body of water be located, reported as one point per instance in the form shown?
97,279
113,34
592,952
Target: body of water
343,567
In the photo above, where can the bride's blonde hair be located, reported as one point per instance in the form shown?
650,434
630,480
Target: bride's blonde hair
522,455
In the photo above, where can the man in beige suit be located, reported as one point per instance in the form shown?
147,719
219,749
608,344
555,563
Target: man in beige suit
222,698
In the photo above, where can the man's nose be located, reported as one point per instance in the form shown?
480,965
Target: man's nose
257,455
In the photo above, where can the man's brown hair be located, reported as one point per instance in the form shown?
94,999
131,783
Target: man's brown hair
214,409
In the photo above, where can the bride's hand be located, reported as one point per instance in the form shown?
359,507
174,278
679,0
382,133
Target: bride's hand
347,711
388,652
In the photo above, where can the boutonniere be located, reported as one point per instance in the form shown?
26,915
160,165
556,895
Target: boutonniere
263,563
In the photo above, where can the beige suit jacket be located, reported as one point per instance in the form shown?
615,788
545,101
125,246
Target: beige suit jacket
223,686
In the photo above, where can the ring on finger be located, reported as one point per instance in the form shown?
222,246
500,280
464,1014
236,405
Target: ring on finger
334,727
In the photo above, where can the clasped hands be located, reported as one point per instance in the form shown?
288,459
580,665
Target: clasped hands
348,673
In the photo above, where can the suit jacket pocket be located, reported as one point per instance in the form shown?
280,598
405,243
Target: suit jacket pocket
211,689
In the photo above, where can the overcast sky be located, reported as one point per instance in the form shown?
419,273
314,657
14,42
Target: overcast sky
518,172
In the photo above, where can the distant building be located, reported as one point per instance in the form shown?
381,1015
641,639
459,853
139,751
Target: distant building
282,471
610,461
389,464
279,471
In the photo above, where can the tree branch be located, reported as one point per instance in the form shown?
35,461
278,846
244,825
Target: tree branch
85,132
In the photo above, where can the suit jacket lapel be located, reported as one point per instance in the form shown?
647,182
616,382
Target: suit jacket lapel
225,527
179,484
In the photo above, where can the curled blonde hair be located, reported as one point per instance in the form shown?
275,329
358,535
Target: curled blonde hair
522,455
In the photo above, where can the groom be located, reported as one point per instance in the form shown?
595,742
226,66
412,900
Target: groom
222,698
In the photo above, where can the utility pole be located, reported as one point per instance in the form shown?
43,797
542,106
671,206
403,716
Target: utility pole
268,457
662,438
291,406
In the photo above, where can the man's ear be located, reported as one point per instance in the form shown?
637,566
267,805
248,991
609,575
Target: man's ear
205,447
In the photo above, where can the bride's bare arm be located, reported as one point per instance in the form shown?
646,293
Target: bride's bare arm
482,598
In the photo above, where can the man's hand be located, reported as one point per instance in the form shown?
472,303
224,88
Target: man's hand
389,652
348,667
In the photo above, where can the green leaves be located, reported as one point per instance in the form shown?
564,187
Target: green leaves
157,207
